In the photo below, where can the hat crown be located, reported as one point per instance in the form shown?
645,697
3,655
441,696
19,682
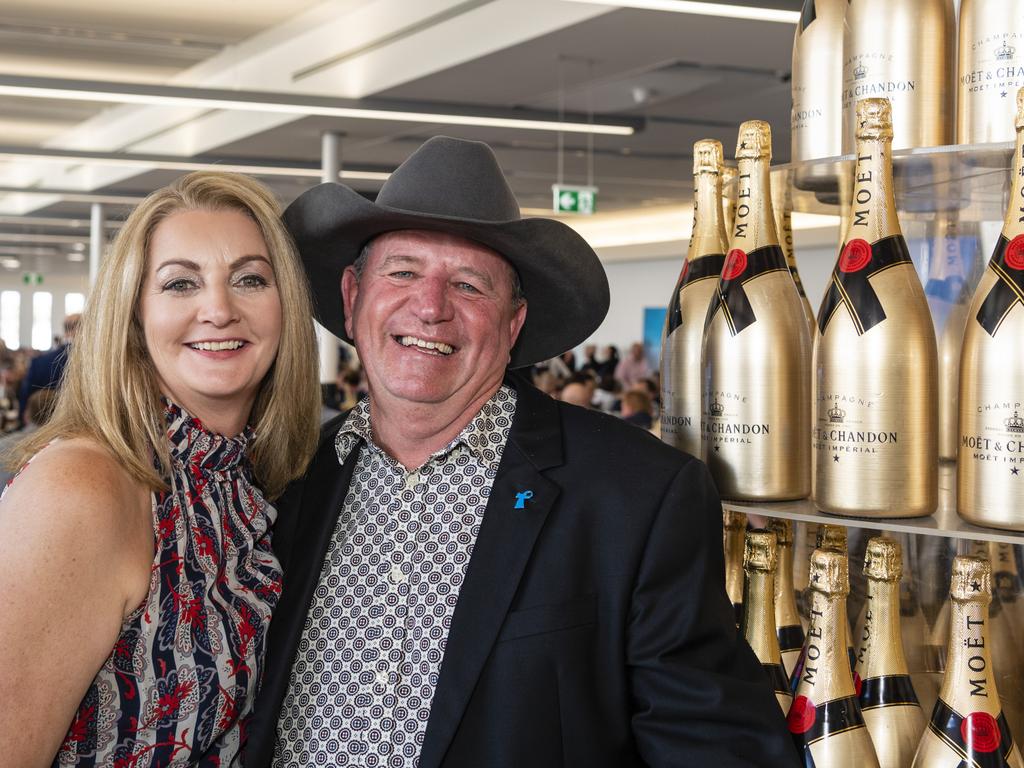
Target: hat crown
453,178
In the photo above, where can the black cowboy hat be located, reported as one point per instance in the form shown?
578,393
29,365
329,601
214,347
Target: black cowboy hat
455,186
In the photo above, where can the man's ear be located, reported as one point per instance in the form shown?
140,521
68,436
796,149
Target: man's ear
349,292
516,324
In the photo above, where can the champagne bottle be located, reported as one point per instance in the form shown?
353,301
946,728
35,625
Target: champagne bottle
680,358
756,360
967,726
826,719
758,623
816,126
991,63
1006,593
734,525
833,538
782,204
990,456
787,620
887,698
903,50
875,432
728,197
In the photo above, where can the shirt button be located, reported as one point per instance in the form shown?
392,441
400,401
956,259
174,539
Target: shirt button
382,677
411,479
396,575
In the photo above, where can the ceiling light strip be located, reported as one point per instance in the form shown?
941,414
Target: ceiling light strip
723,10
252,101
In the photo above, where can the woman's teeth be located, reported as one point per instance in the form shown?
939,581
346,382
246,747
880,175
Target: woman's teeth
216,346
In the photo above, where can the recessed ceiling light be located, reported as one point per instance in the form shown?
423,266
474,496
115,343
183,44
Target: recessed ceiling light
703,9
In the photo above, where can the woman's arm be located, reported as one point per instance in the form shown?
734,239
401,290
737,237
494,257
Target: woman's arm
76,545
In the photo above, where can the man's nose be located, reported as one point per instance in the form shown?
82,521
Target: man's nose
433,301
217,306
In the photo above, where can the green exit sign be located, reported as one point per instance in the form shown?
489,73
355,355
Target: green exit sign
32,278
573,199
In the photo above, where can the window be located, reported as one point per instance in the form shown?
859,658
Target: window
42,320
10,318
74,303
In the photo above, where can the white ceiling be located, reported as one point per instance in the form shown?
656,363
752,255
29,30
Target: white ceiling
686,77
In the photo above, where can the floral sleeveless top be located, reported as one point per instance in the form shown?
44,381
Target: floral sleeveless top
179,684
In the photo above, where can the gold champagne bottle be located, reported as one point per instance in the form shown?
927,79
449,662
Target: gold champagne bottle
1007,590
758,623
734,526
787,620
902,50
834,539
948,305
728,197
967,726
991,67
756,360
826,719
887,698
875,431
817,118
688,308
990,458
782,205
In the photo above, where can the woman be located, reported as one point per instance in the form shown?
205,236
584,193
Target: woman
136,574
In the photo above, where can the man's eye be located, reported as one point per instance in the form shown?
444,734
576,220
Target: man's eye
468,287
402,273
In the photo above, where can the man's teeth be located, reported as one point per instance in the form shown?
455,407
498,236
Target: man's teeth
437,346
216,346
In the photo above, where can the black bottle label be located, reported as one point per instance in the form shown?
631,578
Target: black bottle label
1008,265
701,268
981,740
739,269
887,691
810,723
851,287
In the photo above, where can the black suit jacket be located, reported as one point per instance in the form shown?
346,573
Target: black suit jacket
592,628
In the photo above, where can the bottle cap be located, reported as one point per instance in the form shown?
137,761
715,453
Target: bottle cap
971,580
1020,109
831,537
759,551
829,572
783,530
708,156
874,119
733,520
883,560
755,140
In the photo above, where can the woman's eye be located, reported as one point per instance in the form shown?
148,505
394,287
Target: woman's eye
252,281
179,285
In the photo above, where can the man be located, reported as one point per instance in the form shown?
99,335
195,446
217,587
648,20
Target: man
476,575
633,369
46,370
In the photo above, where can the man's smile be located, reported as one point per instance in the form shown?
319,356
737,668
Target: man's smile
431,347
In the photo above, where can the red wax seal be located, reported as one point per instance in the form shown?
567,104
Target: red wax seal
802,715
735,264
856,255
980,732
857,683
1015,253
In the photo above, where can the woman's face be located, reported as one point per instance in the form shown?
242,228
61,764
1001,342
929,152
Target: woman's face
211,314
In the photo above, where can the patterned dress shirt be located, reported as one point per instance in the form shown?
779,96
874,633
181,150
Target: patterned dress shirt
367,664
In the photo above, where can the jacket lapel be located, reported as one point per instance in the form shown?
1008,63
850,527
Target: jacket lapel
503,547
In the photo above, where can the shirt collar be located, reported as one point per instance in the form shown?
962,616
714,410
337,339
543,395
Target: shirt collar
484,437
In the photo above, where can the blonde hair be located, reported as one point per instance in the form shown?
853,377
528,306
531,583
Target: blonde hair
110,392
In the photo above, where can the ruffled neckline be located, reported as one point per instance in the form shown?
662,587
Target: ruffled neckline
192,443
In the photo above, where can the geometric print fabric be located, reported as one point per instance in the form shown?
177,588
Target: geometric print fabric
367,664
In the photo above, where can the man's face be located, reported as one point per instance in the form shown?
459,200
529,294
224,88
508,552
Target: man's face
432,317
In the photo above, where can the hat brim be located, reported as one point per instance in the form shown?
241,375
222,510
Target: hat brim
564,283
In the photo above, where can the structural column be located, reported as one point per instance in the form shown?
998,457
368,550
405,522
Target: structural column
97,229
327,343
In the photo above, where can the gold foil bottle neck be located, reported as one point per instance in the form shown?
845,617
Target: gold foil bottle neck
755,141
830,573
972,580
883,560
734,520
783,530
759,552
874,119
1019,122
831,537
708,156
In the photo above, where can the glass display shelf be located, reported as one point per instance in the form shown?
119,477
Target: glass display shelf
945,521
970,181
